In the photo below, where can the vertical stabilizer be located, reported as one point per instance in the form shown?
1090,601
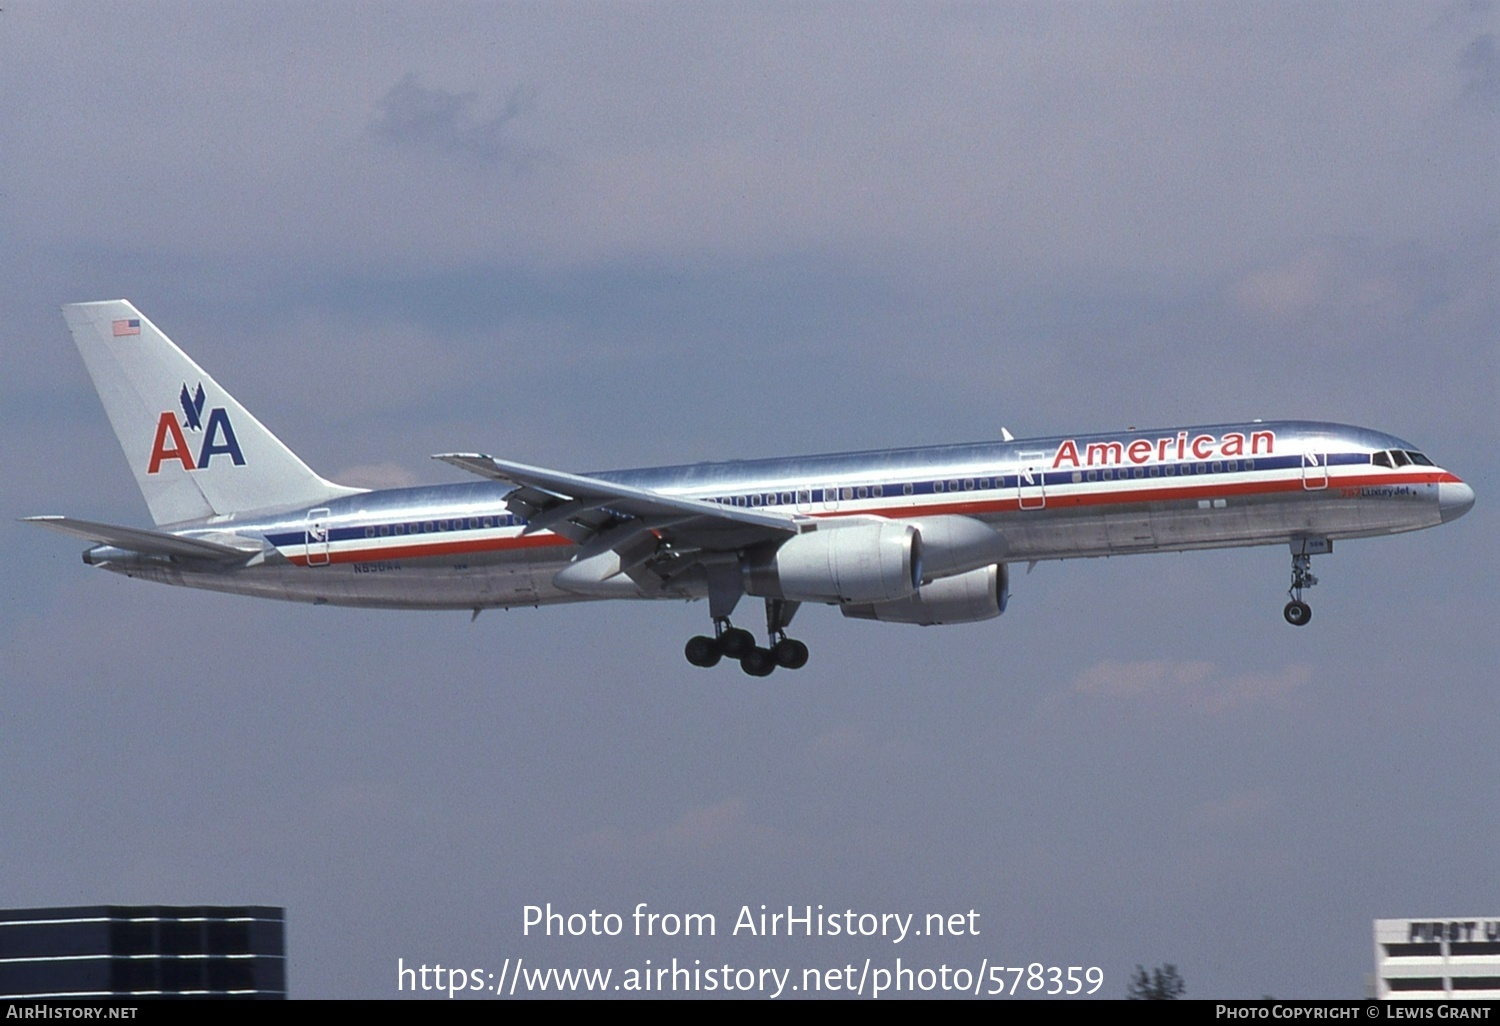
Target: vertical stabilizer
195,452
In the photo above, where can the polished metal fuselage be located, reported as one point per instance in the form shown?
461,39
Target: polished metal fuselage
460,546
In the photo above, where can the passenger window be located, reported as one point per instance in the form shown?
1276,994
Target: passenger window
1202,468
863,492
1234,465
1249,464
878,490
968,484
1154,471
1077,476
906,489
1093,475
937,486
1218,467
369,532
385,530
489,521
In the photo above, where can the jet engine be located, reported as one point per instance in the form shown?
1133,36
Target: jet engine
871,562
965,598
955,544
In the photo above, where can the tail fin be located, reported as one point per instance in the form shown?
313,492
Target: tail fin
194,450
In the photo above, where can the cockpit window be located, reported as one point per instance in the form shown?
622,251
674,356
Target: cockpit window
1381,459
1419,459
1400,457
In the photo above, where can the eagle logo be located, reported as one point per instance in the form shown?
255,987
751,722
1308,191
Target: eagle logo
192,408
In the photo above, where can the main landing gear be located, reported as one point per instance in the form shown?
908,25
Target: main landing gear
738,643
1297,612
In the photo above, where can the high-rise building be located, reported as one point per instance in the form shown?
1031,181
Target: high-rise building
1454,957
143,950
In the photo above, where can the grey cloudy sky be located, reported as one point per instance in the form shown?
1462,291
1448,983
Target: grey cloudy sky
593,235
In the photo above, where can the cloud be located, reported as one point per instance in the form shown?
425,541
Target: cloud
415,116
1246,809
701,834
378,475
1200,686
1331,281
1479,63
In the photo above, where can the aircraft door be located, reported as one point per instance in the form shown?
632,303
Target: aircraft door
315,539
1314,471
1031,486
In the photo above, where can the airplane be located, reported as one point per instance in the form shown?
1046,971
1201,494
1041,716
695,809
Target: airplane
915,536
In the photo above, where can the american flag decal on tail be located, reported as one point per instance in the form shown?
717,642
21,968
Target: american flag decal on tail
127,327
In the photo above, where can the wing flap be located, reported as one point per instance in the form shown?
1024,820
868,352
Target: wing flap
575,494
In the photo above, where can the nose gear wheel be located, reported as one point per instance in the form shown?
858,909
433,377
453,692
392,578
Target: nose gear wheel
1299,613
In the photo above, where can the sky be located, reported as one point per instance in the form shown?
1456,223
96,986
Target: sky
596,235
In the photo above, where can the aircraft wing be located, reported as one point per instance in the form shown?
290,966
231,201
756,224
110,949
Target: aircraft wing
584,509
151,543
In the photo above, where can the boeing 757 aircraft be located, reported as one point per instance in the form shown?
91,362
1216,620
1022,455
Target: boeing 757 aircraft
916,536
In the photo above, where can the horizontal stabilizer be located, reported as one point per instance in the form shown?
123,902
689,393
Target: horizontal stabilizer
151,543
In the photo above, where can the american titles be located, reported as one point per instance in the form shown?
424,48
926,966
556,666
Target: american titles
1181,446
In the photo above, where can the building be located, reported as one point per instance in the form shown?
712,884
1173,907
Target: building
105,951
1453,958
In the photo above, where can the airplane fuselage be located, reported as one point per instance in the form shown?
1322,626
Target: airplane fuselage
460,546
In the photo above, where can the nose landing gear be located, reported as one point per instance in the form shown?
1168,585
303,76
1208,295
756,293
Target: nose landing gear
1298,613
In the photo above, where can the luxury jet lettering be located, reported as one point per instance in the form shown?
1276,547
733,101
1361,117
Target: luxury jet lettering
1143,450
914,536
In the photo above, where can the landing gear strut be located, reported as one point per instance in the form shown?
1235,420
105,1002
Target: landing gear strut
787,652
738,643
1297,612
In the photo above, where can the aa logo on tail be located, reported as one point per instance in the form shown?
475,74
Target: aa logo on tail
171,443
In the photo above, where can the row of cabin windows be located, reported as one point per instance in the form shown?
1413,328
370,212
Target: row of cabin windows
969,484
1166,470
430,526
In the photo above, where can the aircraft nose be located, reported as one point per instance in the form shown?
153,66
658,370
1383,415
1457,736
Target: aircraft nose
1454,500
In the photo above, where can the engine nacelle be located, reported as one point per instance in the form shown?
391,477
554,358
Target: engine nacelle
879,562
965,598
954,544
